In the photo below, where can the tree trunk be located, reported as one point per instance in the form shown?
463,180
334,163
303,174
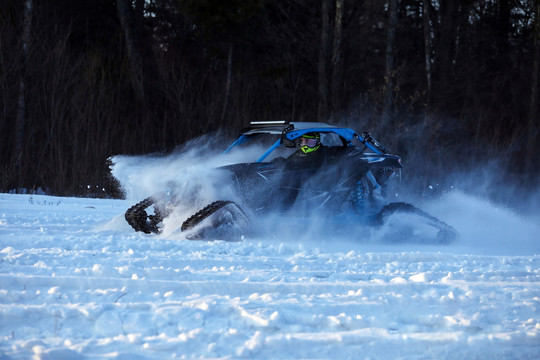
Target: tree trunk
389,78
21,101
228,86
324,91
505,24
446,40
337,63
139,13
427,45
533,104
127,21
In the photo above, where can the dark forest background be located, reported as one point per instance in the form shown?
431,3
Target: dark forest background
446,84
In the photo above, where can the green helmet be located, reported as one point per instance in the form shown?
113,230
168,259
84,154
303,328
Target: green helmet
309,142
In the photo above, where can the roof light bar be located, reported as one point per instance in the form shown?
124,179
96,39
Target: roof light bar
281,122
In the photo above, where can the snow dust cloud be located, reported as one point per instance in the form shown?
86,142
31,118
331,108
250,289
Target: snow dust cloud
486,227
189,176
492,216
193,164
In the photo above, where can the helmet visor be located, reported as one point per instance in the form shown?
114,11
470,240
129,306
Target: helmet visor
309,142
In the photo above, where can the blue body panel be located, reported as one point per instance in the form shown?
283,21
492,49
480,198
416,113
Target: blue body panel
345,133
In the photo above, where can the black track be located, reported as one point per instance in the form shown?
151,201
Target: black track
446,234
139,220
202,214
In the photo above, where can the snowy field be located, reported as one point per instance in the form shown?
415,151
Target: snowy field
77,283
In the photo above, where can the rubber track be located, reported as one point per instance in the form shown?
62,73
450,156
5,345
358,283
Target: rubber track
405,207
139,220
409,208
202,214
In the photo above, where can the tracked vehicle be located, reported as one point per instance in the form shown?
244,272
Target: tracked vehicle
346,183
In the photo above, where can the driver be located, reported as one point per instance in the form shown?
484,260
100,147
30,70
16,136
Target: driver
300,167
311,151
309,143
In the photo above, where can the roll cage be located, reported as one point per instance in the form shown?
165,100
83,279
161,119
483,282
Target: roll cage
288,132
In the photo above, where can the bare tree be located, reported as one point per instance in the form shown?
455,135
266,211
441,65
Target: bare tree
337,58
324,91
21,103
427,42
445,48
127,20
533,104
389,78
228,84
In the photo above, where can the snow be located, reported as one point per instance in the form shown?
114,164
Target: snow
77,283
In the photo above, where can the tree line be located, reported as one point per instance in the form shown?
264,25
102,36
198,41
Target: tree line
443,83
